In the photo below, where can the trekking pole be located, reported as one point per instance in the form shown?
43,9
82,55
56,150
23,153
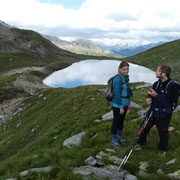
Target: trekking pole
126,157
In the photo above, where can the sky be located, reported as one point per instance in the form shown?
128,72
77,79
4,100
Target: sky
111,22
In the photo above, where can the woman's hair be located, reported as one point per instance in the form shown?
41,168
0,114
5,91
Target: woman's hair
165,69
123,64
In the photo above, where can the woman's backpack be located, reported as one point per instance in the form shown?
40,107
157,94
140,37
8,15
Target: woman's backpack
109,90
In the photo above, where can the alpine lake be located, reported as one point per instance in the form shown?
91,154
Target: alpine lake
91,72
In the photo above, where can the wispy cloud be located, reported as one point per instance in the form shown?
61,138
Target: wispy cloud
116,21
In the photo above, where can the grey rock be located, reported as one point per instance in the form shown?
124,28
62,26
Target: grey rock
100,162
117,175
175,175
55,137
115,159
171,162
134,120
12,179
160,171
134,105
97,120
1,116
103,172
102,153
143,165
99,157
18,125
130,177
108,116
44,170
170,129
74,141
142,173
90,161
40,95
110,150
144,86
112,167
83,170
143,112
100,90
177,108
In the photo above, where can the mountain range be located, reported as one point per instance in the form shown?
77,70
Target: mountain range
82,46
130,51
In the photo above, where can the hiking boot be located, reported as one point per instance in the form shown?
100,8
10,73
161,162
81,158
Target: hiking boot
162,153
122,140
115,143
138,147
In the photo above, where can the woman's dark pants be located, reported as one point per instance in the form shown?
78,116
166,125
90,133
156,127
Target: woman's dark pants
118,121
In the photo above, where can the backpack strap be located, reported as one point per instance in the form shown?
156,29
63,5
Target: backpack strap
157,85
123,80
168,85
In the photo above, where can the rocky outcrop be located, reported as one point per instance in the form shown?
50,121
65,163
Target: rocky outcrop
74,141
95,168
40,170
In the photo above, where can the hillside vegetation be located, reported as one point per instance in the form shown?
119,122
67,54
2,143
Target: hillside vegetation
167,53
33,135
19,48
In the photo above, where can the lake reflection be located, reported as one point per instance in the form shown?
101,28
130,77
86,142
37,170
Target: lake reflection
95,72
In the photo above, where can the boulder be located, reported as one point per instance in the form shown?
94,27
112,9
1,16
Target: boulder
175,175
43,170
90,161
108,116
74,141
134,105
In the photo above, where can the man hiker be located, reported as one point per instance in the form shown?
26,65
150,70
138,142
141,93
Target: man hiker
163,97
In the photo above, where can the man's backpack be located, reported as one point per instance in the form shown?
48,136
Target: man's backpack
177,93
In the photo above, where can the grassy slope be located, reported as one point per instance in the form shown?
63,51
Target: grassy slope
164,54
31,49
67,112
29,139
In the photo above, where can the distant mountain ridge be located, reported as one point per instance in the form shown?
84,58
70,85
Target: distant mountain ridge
82,46
130,51
167,53
4,24
28,48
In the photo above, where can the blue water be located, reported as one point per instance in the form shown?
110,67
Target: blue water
89,72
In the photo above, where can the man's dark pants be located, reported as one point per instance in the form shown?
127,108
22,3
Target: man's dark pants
162,127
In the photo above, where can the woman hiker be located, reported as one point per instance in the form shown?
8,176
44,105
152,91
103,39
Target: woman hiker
120,104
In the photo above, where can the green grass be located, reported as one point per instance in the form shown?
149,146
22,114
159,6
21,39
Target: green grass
45,124
35,136
167,53
7,91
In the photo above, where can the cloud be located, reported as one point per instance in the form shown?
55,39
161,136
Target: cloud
119,21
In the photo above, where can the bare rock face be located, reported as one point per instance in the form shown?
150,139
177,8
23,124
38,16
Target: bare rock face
74,141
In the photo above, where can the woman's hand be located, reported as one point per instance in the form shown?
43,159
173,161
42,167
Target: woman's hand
121,111
129,107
